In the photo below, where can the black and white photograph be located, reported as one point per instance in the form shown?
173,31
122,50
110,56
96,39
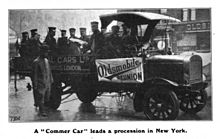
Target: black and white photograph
122,64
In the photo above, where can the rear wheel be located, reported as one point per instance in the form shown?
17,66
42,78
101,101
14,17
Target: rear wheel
55,98
87,93
193,101
160,104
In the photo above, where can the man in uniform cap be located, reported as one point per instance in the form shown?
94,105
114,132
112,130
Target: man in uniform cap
63,33
25,33
50,40
33,32
34,51
83,35
96,41
42,79
34,43
114,43
84,38
74,45
62,41
128,40
72,33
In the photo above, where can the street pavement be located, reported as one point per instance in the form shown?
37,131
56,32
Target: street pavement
108,107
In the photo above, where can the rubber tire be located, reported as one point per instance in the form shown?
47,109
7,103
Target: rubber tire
187,109
165,95
86,94
138,102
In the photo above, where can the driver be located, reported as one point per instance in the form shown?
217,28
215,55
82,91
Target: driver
114,43
128,41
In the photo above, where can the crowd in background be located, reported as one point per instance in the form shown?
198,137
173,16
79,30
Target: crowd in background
110,46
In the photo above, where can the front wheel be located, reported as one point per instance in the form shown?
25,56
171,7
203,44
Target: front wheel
160,104
193,101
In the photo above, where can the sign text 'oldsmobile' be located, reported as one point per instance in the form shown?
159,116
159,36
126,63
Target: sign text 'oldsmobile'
127,70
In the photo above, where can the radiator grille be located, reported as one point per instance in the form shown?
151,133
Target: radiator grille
195,69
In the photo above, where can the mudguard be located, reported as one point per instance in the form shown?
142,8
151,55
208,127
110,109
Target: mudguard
160,82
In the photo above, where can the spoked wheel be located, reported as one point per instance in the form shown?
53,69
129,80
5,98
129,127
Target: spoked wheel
55,98
138,102
193,102
160,104
87,93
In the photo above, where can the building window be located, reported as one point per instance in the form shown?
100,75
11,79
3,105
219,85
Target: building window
185,15
193,14
203,41
187,40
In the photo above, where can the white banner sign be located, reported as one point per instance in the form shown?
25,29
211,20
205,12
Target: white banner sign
120,70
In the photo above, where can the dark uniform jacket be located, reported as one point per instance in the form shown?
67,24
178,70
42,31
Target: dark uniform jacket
96,42
34,46
51,42
128,39
74,37
84,38
62,42
24,48
113,46
74,47
114,39
128,44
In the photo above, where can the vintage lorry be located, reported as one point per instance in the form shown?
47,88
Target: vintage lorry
161,84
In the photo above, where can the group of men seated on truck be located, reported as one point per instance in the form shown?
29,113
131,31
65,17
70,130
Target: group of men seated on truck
101,45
